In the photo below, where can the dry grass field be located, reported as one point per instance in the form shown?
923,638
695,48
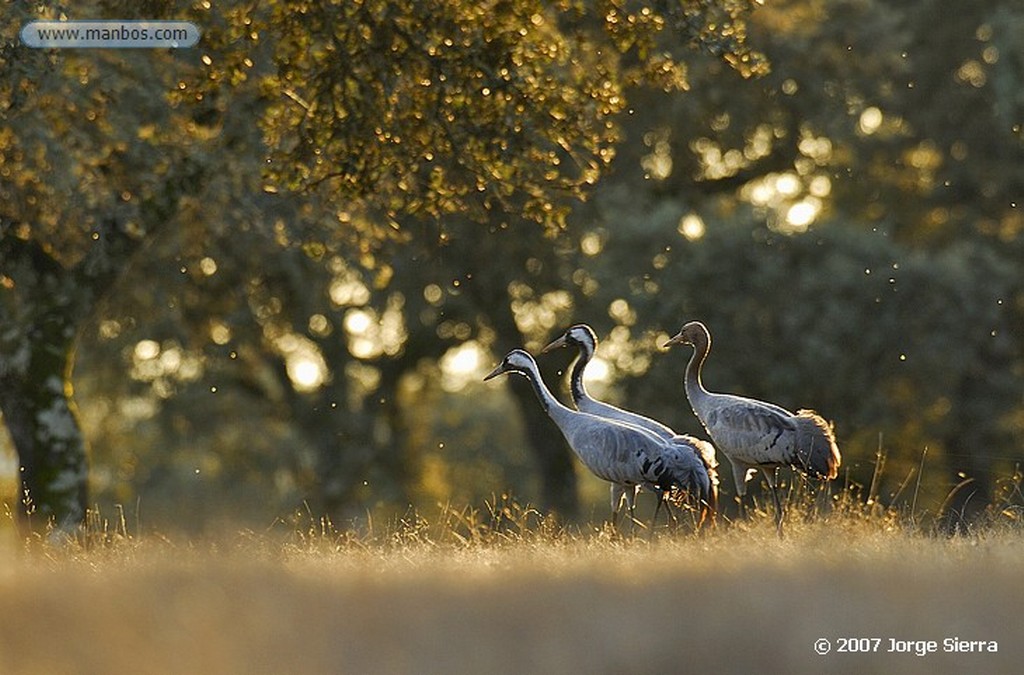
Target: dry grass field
458,595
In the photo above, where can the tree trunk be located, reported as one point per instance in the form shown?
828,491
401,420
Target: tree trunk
43,304
40,415
558,478
553,459
555,463
41,308
969,454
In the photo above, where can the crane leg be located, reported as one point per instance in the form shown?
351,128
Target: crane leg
617,495
778,511
657,510
742,501
627,494
741,473
631,493
702,516
770,476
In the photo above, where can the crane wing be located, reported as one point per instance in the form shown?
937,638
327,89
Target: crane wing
753,433
611,412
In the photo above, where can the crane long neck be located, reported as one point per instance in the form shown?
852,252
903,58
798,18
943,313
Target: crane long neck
570,423
551,405
695,390
576,386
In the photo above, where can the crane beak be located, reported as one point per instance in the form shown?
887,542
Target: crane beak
494,373
555,344
677,339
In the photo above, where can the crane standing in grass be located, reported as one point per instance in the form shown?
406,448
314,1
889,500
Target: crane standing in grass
584,339
621,454
754,434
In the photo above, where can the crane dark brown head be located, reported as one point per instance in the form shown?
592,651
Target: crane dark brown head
693,333
575,336
516,361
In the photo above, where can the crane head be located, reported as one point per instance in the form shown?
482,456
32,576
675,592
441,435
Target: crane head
693,333
560,341
580,335
516,361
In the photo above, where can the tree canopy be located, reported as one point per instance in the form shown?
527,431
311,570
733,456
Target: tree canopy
273,265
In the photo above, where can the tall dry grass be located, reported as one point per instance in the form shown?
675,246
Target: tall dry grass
503,589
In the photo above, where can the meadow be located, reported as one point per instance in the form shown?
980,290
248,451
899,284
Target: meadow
505,590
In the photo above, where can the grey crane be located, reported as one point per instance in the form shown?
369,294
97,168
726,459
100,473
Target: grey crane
584,339
754,434
621,454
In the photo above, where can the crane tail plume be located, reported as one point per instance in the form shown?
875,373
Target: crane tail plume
817,452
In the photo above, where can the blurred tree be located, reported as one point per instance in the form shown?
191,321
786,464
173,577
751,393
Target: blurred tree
277,236
330,142
855,210
80,185
886,340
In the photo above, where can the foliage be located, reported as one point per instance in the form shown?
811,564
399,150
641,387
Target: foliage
837,225
317,191
474,108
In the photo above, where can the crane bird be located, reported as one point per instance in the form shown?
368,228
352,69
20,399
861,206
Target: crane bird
623,455
754,434
584,339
